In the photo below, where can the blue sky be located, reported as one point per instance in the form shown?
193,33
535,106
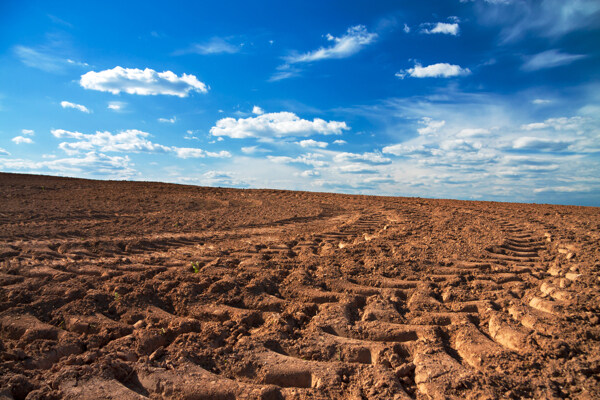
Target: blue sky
481,99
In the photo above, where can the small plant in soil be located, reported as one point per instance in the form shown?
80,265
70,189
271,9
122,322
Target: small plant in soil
195,266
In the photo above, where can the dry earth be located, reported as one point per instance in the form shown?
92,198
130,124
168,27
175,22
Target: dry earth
131,290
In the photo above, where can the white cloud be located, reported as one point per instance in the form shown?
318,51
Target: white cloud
540,144
116,105
91,163
4,152
441,27
340,142
257,110
440,70
270,125
186,152
61,133
541,101
189,135
352,42
215,45
309,173
550,59
46,58
369,158
312,143
558,124
473,133
168,120
313,159
131,140
21,139
254,150
431,126
30,132
548,18
142,82
406,28
562,189
67,104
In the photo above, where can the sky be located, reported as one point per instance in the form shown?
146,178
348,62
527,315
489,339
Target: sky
466,99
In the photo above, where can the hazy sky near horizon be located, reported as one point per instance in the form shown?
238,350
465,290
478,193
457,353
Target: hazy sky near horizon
468,99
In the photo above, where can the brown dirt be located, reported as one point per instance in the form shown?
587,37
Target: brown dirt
131,290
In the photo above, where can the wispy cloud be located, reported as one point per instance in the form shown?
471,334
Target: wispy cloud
45,58
168,120
4,152
550,59
29,132
272,125
440,70
215,45
352,42
142,82
67,104
548,18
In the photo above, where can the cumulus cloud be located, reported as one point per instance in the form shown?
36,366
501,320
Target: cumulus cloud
168,120
339,141
29,132
312,143
4,152
143,82
131,140
21,140
67,104
270,125
257,110
440,27
352,42
550,59
440,70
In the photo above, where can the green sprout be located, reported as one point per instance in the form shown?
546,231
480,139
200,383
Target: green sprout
117,296
195,266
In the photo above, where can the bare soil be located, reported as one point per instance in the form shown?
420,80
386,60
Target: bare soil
132,290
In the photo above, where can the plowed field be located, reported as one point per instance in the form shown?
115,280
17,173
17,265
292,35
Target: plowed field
132,290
